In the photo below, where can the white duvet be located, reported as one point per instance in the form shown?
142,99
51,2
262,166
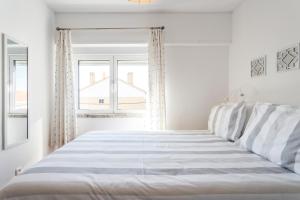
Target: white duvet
153,165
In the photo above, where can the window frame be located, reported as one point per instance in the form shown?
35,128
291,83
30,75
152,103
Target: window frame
113,62
12,83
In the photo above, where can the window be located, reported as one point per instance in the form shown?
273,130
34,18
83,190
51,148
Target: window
17,85
112,84
132,84
94,84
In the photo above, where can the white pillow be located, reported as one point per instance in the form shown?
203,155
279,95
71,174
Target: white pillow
273,132
212,117
227,120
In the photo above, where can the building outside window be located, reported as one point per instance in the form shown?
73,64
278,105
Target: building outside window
112,84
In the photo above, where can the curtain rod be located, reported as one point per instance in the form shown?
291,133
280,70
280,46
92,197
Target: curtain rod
112,28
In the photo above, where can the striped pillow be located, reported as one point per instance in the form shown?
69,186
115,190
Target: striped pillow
228,120
213,116
274,132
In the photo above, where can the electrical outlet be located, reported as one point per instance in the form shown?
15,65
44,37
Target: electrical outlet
18,171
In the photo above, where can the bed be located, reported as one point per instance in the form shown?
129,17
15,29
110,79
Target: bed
135,165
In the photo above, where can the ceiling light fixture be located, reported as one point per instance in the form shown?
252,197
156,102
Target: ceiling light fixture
141,1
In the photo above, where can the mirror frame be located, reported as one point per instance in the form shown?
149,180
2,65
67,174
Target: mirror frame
4,92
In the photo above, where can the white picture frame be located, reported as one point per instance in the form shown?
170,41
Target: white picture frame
259,66
287,59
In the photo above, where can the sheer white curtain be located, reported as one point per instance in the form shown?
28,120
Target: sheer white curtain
156,98
63,114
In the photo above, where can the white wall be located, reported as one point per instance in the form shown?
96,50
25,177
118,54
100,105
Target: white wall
262,27
180,28
31,22
94,124
196,79
195,53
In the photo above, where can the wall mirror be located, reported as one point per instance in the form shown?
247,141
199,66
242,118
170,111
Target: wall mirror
14,92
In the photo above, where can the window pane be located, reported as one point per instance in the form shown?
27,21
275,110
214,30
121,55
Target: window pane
20,86
94,85
132,85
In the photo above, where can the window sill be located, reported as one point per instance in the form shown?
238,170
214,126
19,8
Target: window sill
110,115
17,115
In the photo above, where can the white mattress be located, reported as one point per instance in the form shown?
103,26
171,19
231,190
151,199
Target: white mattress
153,165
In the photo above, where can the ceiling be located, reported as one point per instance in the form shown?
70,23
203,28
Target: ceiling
157,6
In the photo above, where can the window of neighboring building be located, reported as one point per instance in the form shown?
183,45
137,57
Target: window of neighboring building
112,84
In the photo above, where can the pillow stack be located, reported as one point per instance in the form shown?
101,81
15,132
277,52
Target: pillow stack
273,131
227,120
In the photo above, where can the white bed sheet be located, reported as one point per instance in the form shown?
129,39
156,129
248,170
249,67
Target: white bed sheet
139,165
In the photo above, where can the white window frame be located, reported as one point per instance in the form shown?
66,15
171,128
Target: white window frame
12,93
113,60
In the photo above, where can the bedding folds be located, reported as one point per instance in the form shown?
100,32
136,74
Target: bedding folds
153,165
